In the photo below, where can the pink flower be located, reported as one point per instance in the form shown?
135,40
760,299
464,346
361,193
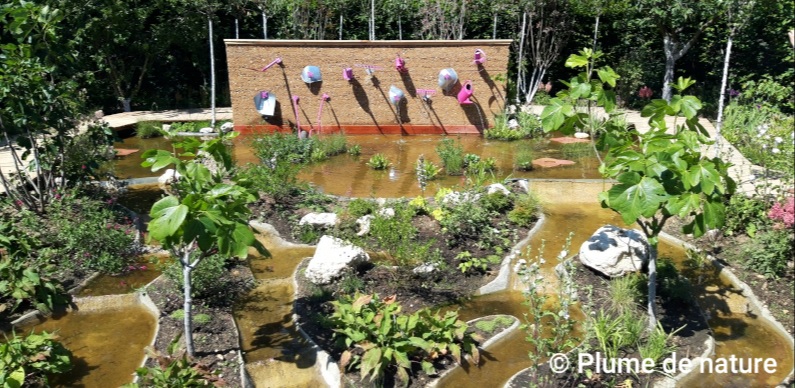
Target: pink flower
83,167
785,214
142,268
645,92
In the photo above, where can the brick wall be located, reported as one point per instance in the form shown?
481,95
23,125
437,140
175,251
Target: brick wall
362,105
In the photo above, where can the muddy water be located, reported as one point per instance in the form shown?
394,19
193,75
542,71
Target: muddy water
139,275
346,175
107,345
276,355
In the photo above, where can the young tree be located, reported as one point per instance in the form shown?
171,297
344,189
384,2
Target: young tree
541,38
663,174
40,106
443,19
736,13
204,213
680,23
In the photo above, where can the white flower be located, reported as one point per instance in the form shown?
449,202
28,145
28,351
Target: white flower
563,254
764,146
751,177
775,150
778,139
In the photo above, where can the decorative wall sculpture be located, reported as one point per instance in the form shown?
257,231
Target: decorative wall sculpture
311,74
447,79
265,103
465,93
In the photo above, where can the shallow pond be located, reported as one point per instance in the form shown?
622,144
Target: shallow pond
107,343
350,176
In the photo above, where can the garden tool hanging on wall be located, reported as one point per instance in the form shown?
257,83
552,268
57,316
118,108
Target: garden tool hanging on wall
323,99
265,103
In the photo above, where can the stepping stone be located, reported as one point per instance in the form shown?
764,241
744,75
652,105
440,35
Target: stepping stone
124,151
550,162
567,140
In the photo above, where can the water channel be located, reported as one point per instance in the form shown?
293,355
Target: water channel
277,356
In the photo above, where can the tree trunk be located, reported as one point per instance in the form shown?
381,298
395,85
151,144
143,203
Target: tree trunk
595,32
372,19
212,71
723,85
494,27
126,104
521,69
400,28
340,25
237,29
670,63
652,287
188,302
264,25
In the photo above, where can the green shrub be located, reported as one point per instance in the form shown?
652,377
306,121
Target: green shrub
332,145
464,219
769,251
497,202
529,123
378,162
392,340
625,293
206,278
202,318
452,154
745,215
21,284
361,207
523,159
278,181
148,129
355,150
396,234
29,361
525,210
85,233
481,166
175,370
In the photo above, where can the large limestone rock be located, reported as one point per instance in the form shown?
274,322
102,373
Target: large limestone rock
497,188
332,257
614,251
323,220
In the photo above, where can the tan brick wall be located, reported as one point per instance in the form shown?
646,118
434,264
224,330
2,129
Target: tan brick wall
362,105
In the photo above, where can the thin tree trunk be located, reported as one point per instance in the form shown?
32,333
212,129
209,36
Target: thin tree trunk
595,32
723,83
652,287
521,69
237,29
372,19
340,25
264,25
188,302
670,64
400,29
494,27
212,71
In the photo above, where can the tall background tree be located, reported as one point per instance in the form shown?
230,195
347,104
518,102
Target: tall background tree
542,36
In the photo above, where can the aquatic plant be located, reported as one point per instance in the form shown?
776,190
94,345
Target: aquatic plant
379,162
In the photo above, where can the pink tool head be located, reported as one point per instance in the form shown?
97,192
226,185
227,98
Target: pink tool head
264,95
480,57
400,64
295,99
347,74
325,97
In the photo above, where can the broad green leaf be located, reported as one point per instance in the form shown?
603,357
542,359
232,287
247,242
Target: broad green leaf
167,218
581,90
574,61
554,114
633,201
607,75
690,105
607,99
371,362
402,359
684,205
242,238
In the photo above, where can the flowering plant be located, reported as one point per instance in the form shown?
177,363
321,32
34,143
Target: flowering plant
783,214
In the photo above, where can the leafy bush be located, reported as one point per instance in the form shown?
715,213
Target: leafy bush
378,162
148,129
175,370
21,284
452,154
769,252
525,210
332,145
744,215
469,263
497,202
355,150
426,170
376,336
279,180
28,361
481,166
464,219
276,147
206,278
395,235
361,207
523,159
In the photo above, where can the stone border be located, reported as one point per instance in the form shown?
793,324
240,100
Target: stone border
755,304
504,276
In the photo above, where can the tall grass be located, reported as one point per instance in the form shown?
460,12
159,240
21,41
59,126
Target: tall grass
148,129
452,154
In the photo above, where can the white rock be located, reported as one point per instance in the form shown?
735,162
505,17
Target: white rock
386,212
513,124
511,109
319,219
497,188
581,135
227,127
457,197
206,130
614,251
425,268
168,177
332,257
166,127
364,224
